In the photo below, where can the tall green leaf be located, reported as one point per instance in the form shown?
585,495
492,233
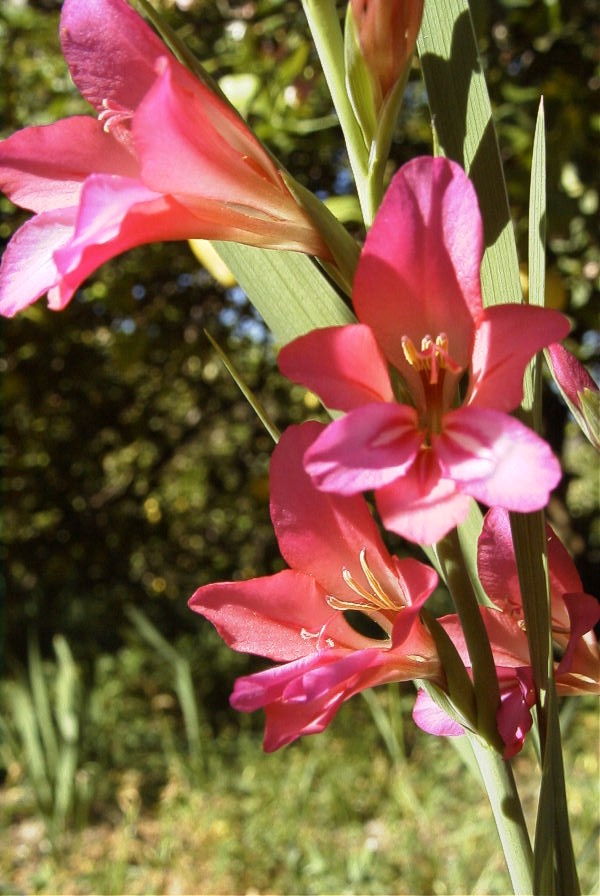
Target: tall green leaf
287,289
462,114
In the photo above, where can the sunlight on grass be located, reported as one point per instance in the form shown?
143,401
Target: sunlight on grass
329,814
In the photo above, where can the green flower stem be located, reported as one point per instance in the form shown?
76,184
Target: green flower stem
485,680
506,806
323,20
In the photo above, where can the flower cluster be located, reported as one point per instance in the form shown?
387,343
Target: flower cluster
424,381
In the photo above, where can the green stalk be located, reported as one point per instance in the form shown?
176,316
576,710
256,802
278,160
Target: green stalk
324,23
485,680
506,806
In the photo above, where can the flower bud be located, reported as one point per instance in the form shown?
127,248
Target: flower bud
387,33
578,389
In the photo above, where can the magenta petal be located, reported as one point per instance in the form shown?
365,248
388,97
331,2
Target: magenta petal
422,506
343,365
105,201
256,691
496,459
351,673
28,269
367,448
505,340
321,534
43,168
430,718
418,273
111,51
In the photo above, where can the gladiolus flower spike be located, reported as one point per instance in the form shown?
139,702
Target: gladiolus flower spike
421,438
165,159
338,563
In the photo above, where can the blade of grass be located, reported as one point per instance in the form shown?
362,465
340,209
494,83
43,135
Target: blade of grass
67,709
41,702
246,391
183,681
22,712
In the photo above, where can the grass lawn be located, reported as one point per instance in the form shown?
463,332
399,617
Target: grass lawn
335,813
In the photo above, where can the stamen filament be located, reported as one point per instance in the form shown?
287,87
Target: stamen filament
376,599
432,357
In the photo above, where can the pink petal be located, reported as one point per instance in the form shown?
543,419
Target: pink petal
202,148
206,157
287,722
282,617
584,613
496,459
111,51
583,674
115,214
432,719
563,572
498,571
43,168
422,506
418,273
514,715
357,670
367,448
28,269
416,657
505,340
253,692
507,638
325,360
496,564
321,534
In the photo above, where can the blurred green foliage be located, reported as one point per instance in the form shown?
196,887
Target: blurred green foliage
344,812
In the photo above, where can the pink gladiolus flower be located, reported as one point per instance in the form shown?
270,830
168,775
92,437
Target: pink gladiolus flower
574,615
387,33
164,160
422,438
337,563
